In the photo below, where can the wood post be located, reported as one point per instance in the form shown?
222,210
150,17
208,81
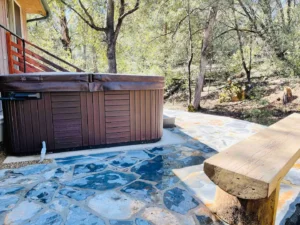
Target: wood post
237,211
9,55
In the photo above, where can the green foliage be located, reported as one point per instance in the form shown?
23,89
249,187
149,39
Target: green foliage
191,108
256,93
261,116
155,41
232,92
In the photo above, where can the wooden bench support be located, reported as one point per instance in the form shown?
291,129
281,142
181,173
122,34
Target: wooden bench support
234,210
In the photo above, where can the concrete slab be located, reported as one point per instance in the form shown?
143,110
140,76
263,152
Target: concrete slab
169,138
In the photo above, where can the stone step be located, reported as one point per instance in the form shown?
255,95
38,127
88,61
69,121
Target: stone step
169,121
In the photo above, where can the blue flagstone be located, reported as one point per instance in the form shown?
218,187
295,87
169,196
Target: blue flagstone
179,200
47,218
140,190
10,190
139,221
59,205
106,156
22,212
58,173
124,161
115,205
30,170
18,179
139,154
78,195
119,222
131,158
160,168
200,147
81,216
74,160
102,181
295,218
192,160
150,169
7,202
161,150
204,220
89,168
167,182
42,192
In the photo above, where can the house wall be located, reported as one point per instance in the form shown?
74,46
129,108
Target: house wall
7,20
3,50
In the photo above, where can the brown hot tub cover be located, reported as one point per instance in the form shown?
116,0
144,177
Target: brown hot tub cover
64,81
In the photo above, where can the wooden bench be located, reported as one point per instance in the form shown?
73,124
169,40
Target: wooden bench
249,173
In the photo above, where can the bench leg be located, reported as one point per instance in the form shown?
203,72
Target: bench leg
239,211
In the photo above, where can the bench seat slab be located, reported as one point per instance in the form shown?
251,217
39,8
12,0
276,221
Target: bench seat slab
253,168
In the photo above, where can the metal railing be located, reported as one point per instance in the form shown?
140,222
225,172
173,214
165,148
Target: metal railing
23,57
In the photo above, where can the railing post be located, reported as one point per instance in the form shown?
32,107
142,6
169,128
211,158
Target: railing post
9,55
24,51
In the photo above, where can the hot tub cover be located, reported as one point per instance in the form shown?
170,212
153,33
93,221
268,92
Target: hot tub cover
67,81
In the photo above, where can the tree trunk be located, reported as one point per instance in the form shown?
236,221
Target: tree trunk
191,52
111,57
65,34
248,71
237,211
206,43
110,37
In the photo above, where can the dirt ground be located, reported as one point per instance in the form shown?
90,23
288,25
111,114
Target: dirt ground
265,107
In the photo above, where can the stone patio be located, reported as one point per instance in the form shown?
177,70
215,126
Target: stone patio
162,185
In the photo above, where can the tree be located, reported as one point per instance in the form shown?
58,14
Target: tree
206,44
65,34
239,36
110,30
191,51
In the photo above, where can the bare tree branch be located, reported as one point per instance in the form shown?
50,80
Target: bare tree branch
90,23
122,15
235,29
86,12
136,7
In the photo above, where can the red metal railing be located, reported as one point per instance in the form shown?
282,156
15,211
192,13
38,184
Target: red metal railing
23,57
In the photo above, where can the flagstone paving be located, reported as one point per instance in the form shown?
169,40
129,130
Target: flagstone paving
163,185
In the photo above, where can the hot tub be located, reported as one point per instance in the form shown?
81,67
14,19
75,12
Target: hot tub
72,111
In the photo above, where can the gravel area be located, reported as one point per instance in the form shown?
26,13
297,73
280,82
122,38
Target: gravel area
17,164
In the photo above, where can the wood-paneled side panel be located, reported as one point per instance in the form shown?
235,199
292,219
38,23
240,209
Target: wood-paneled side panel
132,116
102,117
21,125
137,115
153,115
117,121
13,126
66,117
90,112
84,118
143,115
28,123
161,106
35,123
147,114
28,126
49,121
98,113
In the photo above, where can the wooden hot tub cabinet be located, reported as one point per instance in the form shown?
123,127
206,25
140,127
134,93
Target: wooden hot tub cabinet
81,110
